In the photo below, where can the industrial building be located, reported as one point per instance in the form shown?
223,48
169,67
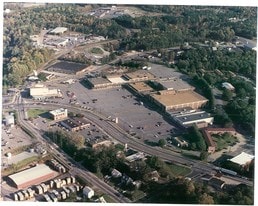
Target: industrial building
189,118
169,100
42,92
58,30
75,124
32,176
58,114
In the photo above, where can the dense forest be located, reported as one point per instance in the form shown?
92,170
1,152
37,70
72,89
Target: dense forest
172,26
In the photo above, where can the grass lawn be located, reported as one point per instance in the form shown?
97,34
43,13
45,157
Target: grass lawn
33,113
108,199
178,170
224,141
96,50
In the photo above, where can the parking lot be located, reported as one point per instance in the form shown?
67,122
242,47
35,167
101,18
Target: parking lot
133,116
13,138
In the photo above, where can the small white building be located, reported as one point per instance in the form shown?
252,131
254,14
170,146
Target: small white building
242,159
9,120
58,114
88,192
228,86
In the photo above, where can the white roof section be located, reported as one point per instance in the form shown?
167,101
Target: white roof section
58,111
31,174
228,85
242,158
116,80
59,30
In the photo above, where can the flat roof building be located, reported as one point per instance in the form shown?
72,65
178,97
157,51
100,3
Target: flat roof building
200,119
139,75
98,82
75,124
58,114
32,176
116,79
140,87
175,84
177,100
38,92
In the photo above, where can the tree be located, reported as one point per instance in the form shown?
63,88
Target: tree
227,95
204,155
196,137
205,199
162,142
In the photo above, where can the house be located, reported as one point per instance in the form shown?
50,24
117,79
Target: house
116,174
88,192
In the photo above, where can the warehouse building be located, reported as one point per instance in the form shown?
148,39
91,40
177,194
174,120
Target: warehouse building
58,114
32,176
187,119
41,92
169,100
75,124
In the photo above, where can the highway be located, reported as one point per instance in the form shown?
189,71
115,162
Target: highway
114,131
